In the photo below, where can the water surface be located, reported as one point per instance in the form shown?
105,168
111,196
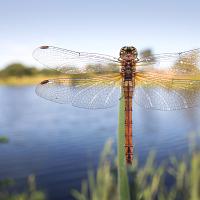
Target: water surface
59,143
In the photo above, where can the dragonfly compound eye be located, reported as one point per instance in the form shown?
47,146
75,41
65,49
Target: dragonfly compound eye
128,53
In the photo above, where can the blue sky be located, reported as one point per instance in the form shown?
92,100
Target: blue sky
96,26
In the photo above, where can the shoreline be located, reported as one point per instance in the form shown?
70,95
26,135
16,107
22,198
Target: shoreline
24,80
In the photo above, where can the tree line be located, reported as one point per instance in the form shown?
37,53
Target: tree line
19,70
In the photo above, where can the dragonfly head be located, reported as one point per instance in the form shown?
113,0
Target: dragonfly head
128,53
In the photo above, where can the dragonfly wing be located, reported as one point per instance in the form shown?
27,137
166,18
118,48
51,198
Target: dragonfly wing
179,63
97,92
166,90
72,62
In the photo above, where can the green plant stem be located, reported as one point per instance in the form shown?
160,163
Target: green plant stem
123,186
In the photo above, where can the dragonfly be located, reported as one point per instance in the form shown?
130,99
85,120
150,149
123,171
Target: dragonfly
169,81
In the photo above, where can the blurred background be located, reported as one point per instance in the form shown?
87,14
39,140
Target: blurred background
59,143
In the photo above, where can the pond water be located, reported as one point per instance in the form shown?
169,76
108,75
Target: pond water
59,143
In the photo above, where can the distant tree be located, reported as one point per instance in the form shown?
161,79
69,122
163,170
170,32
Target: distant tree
48,72
147,53
17,69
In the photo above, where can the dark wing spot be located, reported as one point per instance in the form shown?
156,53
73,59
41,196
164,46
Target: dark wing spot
44,47
44,82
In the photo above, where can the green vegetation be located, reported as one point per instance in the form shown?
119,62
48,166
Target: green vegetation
123,187
19,74
103,185
17,70
3,139
171,180
31,194
7,183
20,70
147,53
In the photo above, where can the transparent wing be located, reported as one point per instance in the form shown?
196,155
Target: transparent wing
72,62
102,91
167,90
179,63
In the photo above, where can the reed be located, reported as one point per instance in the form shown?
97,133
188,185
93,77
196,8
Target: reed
123,187
174,179
31,194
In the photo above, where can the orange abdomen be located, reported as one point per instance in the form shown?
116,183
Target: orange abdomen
128,94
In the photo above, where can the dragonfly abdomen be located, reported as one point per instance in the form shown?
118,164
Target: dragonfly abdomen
128,94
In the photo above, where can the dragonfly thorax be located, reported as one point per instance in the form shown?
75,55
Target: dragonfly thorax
128,71
128,54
